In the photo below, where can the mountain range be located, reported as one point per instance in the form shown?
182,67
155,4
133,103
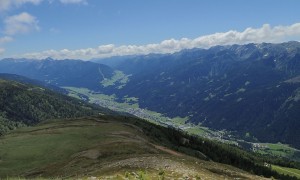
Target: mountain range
250,90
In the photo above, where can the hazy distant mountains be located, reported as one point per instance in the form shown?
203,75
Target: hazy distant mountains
253,89
60,73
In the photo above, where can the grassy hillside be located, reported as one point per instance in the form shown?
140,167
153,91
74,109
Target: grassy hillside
23,104
99,147
119,147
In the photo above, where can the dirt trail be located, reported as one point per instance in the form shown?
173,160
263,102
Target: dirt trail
169,151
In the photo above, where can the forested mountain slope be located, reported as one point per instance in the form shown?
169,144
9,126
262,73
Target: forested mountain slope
24,104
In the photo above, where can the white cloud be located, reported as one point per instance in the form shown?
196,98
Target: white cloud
73,1
2,50
24,22
5,39
7,4
20,24
266,33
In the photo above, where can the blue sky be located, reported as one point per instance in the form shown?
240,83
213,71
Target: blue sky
85,29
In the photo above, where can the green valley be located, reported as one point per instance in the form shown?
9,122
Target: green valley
131,106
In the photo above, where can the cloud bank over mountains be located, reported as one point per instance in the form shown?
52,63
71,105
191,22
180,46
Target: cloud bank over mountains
266,33
16,23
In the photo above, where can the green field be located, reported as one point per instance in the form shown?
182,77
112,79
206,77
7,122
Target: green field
279,149
118,78
287,171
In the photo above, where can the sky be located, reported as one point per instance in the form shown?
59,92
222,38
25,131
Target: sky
87,29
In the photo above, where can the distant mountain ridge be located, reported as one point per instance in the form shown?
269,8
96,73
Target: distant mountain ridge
14,77
252,90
